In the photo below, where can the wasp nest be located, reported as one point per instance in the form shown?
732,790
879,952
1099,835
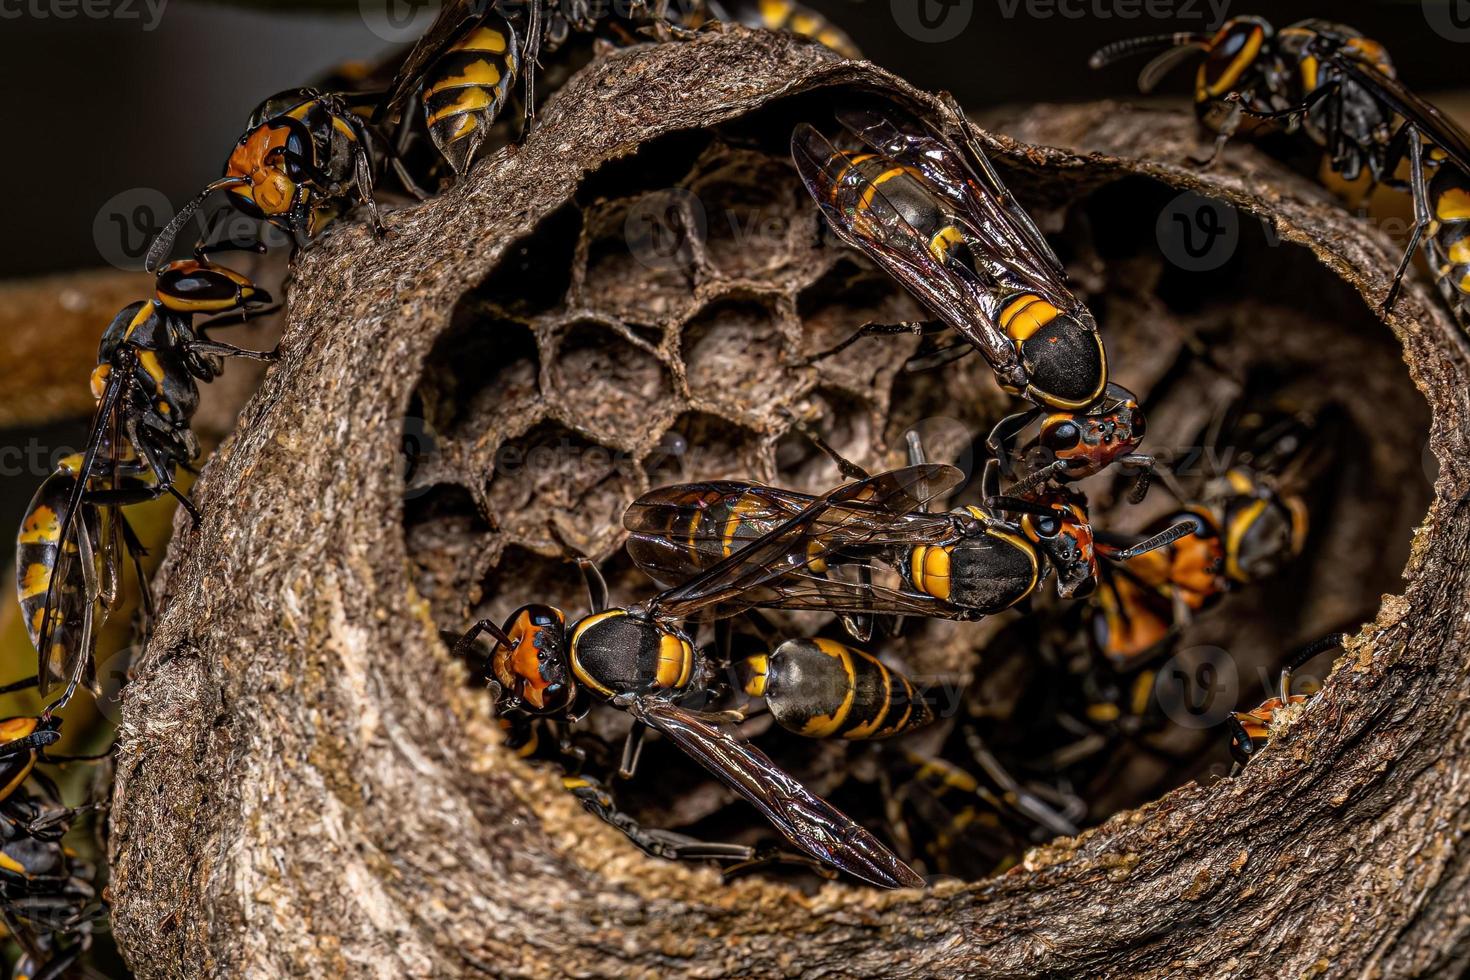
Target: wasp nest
309,785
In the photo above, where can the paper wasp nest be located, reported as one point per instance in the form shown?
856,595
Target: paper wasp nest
625,302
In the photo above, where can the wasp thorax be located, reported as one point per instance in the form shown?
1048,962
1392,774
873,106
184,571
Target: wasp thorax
615,652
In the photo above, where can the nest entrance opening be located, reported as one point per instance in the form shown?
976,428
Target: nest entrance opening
651,332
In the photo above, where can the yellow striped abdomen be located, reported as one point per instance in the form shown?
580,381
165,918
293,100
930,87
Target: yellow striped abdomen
824,689
465,90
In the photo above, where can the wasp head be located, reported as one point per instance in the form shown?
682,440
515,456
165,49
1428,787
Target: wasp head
1089,442
530,661
269,167
1065,536
1233,50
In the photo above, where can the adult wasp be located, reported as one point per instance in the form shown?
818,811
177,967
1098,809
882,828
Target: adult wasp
962,565
1331,86
304,155
460,75
1244,530
46,891
937,218
638,659
74,535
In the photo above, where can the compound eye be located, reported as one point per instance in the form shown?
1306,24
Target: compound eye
1064,436
1047,527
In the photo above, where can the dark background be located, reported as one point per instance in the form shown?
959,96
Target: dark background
95,106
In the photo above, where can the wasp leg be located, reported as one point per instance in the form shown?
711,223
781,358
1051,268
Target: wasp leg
401,140
938,357
530,61
1242,746
21,685
632,751
873,330
33,742
161,472
771,857
1422,218
362,163
845,466
1032,806
657,843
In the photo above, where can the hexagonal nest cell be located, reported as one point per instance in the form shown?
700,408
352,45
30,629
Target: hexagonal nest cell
659,338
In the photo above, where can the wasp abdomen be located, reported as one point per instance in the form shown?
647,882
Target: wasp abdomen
38,554
1449,243
824,689
467,88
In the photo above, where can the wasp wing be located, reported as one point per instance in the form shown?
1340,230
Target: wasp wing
680,531
455,18
849,516
52,586
805,591
1438,128
807,821
1000,229
951,291
69,522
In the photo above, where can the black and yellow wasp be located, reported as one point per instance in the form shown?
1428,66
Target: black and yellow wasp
937,218
1246,525
460,76
74,535
48,899
638,659
1340,91
962,565
774,15
304,156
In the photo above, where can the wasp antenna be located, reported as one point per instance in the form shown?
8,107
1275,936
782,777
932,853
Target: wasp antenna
1302,656
1023,487
464,643
1015,505
1160,540
1109,53
24,685
164,243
